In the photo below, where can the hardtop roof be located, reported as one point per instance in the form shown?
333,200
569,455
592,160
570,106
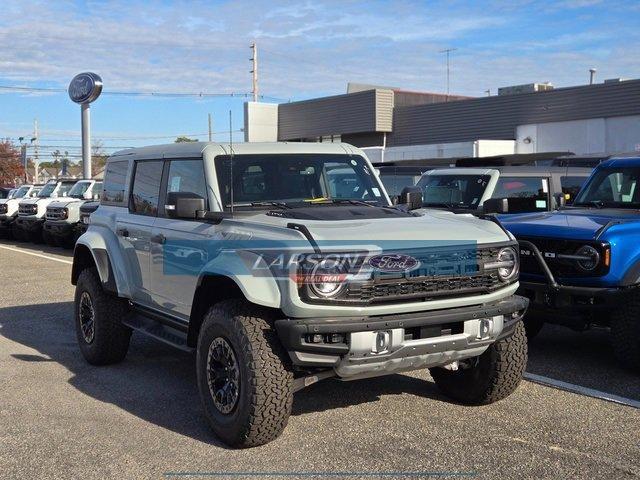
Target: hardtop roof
196,149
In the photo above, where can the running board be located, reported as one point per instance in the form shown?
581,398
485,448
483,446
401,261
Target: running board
157,330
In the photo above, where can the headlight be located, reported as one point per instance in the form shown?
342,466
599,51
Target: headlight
3,208
591,260
507,264
327,278
65,213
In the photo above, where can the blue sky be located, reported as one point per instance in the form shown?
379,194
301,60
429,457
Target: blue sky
306,49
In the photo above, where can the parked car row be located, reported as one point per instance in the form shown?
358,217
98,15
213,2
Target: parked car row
49,213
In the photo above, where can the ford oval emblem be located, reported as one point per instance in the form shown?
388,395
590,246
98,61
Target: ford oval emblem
394,263
85,87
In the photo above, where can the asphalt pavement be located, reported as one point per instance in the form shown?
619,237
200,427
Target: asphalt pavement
62,418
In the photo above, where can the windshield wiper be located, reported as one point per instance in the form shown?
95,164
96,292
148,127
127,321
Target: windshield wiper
349,201
594,203
282,205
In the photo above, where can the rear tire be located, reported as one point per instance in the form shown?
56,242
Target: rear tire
625,332
102,337
247,396
495,376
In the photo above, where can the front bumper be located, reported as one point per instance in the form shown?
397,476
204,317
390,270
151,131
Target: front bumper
6,221
570,298
59,229
415,340
30,224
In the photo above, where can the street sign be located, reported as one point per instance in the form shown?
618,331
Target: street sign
85,87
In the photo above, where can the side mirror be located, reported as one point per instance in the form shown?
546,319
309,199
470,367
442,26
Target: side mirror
183,205
496,205
561,200
412,197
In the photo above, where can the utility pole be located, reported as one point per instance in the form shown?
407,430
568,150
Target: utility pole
210,129
448,51
254,71
36,144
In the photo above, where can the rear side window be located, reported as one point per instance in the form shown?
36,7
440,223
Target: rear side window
115,177
571,186
534,189
146,187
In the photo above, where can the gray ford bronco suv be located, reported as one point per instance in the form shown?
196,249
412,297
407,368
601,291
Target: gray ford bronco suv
279,270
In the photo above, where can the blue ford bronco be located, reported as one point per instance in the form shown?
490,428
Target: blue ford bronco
581,264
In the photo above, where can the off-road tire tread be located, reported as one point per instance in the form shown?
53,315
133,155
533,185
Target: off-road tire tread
625,332
270,370
112,343
510,360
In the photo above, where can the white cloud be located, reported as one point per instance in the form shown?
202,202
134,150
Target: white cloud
306,48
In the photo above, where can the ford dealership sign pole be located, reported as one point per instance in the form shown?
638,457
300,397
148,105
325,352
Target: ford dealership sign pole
84,89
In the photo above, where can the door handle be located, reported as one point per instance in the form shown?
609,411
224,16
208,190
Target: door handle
160,238
123,232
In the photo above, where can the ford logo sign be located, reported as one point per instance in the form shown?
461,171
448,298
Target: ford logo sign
394,263
85,87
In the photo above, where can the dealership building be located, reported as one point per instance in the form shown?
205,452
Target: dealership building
393,124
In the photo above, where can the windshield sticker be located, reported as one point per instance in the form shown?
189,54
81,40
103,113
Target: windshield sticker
541,204
376,191
545,187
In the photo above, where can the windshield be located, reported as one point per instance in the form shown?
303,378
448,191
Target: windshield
47,190
462,191
296,178
79,189
65,188
21,192
395,183
611,187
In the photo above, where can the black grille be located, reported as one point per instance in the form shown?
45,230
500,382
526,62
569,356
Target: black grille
30,209
424,288
55,213
550,248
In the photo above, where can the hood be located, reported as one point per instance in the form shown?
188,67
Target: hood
64,201
437,226
579,223
30,201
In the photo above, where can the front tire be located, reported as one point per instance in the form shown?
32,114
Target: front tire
625,332
49,239
102,337
17,232
495,375
244,375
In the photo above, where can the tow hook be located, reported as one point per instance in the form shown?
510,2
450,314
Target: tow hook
453,366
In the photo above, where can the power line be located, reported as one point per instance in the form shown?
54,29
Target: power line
133,93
